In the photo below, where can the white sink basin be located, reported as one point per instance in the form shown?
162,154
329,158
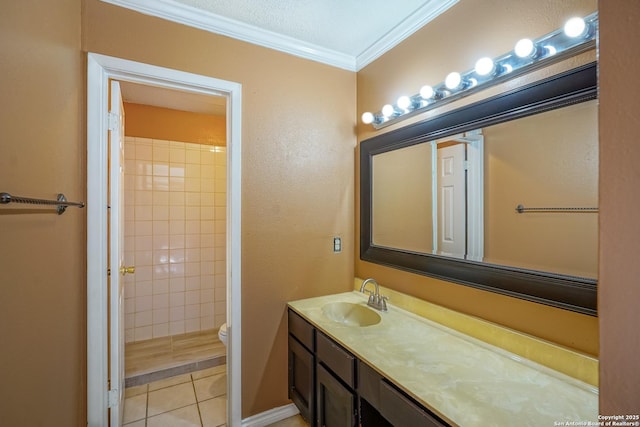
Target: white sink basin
350,314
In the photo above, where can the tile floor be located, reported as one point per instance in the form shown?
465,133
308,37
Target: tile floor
197,399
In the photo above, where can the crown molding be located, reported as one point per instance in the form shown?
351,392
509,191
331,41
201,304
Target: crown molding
208,21
413,23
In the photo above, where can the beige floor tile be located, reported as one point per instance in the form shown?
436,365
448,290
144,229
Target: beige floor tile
214,412
182,417
141,423
170,398
295,421
135,408
209,387
221,369
135,391
168,382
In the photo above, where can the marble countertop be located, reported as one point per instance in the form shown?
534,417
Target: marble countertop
461,379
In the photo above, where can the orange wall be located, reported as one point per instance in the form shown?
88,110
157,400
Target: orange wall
42,255
619,293
481,28
147,121
297,181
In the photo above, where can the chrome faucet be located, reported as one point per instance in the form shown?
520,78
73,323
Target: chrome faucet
377,301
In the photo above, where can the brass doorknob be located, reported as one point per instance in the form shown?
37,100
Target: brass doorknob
127,270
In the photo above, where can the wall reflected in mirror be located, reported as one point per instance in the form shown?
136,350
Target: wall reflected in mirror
426,198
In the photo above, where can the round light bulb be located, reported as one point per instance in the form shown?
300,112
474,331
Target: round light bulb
484,66
388,110
575,27
427,92
367,118
404,102
524,48
453,80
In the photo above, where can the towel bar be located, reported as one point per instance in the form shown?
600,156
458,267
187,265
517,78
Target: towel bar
522,209
61,202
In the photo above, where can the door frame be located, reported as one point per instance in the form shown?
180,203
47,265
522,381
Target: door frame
100,69
474,141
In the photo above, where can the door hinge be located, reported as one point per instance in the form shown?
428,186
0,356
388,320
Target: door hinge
113,398
466,165
108,272
113,121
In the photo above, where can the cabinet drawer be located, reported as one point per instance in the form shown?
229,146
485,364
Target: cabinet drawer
341,362
369,384
402,412
302,330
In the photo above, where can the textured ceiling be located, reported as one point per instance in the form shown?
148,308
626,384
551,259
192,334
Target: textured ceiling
343,33
347,26
347,34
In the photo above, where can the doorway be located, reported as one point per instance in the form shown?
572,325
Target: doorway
102,69
174,231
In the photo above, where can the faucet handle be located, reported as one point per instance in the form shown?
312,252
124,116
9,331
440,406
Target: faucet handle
383,302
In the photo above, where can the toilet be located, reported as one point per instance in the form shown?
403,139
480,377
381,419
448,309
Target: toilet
222,334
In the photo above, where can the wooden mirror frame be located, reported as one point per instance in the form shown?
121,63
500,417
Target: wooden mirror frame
557,290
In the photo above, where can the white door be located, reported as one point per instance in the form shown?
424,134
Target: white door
117,268
452,200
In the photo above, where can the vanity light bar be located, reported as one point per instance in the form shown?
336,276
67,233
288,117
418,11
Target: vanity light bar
577,35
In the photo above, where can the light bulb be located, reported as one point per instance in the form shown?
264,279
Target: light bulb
388,110
575,27
524,48
367,118
551,50
453,80
427,92
484,66
404,102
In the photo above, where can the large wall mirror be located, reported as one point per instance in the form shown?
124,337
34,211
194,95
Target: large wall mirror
500,195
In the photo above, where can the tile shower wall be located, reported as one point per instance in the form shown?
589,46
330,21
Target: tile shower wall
175,235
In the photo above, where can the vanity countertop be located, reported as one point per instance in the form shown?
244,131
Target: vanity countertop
461,379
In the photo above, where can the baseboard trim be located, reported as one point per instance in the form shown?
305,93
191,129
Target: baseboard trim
271,416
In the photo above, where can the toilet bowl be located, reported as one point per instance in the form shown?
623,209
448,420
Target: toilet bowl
222,334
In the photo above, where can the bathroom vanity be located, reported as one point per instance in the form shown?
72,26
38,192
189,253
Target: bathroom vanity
350,365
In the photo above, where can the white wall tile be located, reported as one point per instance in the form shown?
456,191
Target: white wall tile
192,325
160,330
175,235
176,313
160,301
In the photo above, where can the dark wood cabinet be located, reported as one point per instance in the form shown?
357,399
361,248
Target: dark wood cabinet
382,404
332,388
335,402
302,366
336,380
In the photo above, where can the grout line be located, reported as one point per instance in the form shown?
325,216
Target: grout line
146,408
193,384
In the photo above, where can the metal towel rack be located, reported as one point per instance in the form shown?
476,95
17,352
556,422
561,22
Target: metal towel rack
61,202
522,209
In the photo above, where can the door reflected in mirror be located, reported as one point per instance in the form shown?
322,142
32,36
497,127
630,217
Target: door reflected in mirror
427,198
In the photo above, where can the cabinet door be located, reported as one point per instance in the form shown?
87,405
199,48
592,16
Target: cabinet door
400,411
335,402
301,376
